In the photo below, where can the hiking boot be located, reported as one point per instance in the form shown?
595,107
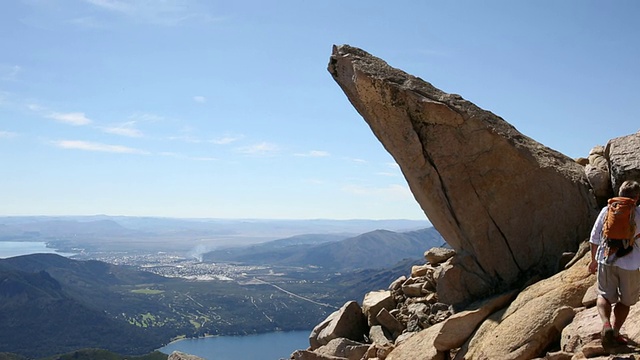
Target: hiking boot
619,339
608,334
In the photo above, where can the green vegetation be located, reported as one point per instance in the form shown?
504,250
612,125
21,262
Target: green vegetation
99,354
144,320
65,305
9,356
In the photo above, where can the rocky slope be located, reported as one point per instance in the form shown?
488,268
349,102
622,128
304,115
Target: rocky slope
505,292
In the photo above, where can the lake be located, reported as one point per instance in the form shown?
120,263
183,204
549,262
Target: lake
269,346
16,248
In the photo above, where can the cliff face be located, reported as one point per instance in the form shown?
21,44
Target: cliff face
514,211
508,205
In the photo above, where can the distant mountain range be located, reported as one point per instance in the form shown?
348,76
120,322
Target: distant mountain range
122,233
50,304
376,249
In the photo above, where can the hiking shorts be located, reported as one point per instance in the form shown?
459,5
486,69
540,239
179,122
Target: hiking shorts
618,285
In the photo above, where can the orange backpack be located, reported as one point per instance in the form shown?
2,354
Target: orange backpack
619,227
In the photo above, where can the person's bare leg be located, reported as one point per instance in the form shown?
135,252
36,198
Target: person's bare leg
604,309
620,312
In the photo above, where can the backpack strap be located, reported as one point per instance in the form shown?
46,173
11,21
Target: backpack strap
632,223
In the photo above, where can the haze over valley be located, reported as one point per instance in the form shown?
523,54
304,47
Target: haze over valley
157,279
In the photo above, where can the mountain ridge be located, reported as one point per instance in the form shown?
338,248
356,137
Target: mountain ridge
378,248
55,320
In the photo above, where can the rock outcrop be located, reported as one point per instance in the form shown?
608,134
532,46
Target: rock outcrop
347,322
597,171
516,215
389,317
534,320
554,318
506,204
623,159
177,355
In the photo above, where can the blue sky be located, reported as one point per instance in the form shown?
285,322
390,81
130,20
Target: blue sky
225,109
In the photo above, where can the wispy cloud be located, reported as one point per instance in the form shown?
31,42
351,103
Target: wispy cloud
35,107
126,129
130,128
72,118
200,99
9,72
146,117
225,140
263,148
93,146
314,153
356,160
159,12
114,5
394,170
7,134
195,158
186,138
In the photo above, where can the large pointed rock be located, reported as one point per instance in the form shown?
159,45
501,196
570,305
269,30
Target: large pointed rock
508,205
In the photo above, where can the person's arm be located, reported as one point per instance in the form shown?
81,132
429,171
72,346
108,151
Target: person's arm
593,264
595,240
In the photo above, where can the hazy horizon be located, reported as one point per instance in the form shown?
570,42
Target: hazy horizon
209,218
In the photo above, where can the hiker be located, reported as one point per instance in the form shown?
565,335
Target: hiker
618,277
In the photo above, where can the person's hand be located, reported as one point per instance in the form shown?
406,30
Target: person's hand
593,267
